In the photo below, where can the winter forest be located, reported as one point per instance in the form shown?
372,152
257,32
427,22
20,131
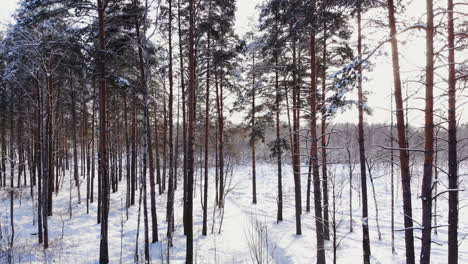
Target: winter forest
159,131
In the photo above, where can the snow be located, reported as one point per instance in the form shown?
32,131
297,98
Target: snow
80,243
122,82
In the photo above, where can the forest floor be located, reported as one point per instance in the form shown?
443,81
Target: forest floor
76,239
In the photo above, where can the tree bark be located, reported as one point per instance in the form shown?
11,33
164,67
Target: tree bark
12,170
426,191
103,156
134,156
279,216
38,147
452,144
46,119
402,141
184,112
207,131
148,157
219,106
362,154
392,176
296,151
314,154
128,152
191,135
75,144
326,227
170,191
252,138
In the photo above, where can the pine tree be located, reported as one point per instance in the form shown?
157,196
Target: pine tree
452,143
402,140
427,184
190,138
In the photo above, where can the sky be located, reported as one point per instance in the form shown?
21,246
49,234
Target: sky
7,7
245,12
380,79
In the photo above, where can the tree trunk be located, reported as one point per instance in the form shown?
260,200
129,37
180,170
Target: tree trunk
350,166
128,152
392,176
207,131
314,154
296,147
93,158
12,170
452,144
376,205
38,159
46,119
3,138
191,134
279,216
326,228
50,145
402,141
165,143
76,177
148,156
252,138
184,112
87,143
170,191
19,147
157,155
219,106
134,156
103,169
426,191
362,155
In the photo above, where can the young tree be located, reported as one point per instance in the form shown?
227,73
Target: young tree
255,94
362,154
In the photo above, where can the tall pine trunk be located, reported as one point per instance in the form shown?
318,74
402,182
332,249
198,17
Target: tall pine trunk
148,156
314,154
46,119
362,154
426,191
191,135
392,176
402,140
103,166
326,225
207,131
76,177
184,113
452,144
170,191
252,137
219,106
279,216
296,151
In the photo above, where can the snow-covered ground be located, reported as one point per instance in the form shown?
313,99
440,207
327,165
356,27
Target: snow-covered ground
80,242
